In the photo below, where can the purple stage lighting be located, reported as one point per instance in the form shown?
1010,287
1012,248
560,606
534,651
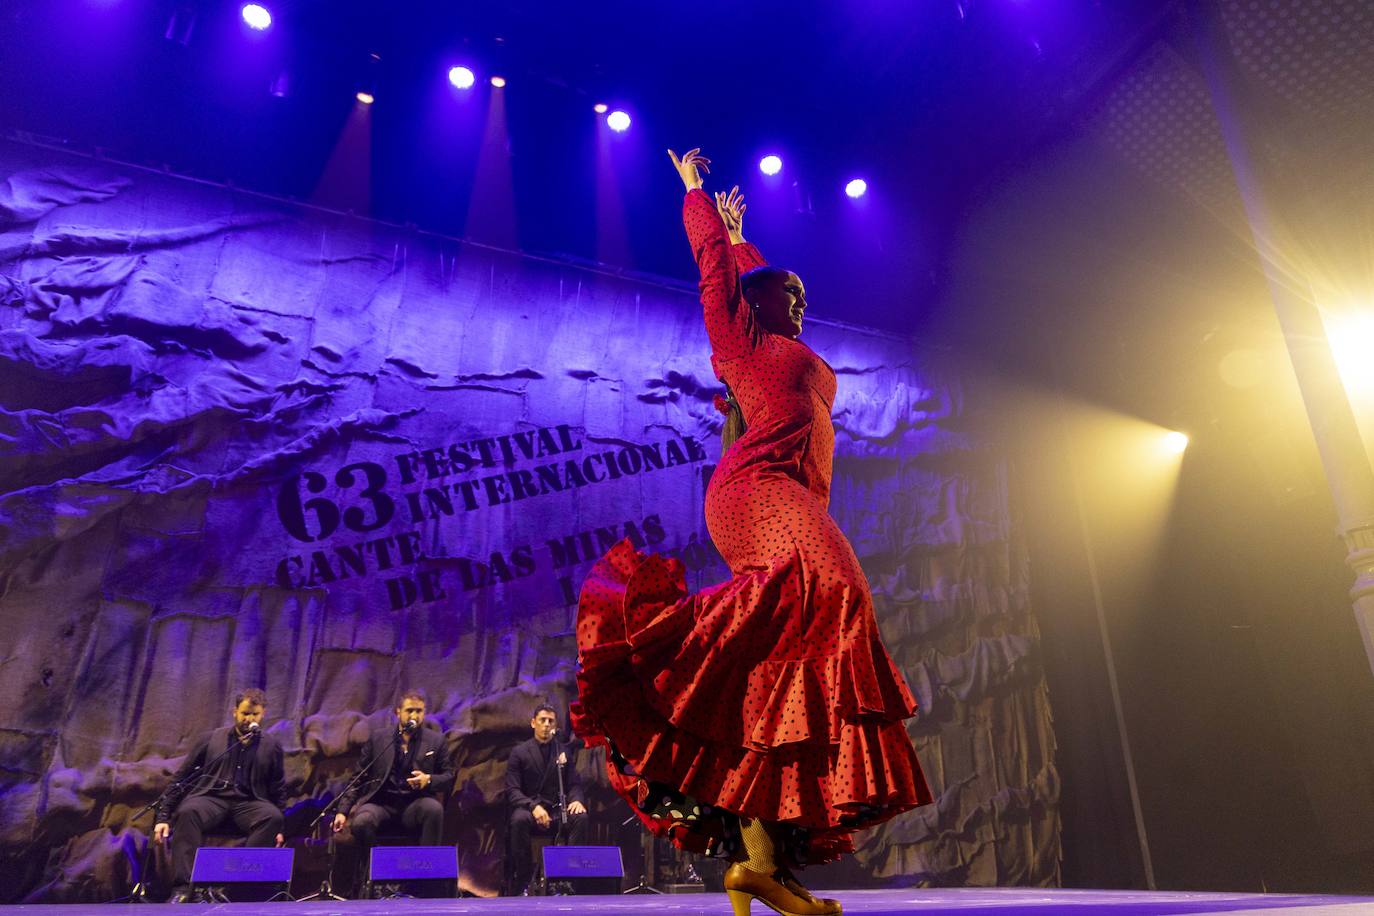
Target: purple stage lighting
461,77
257,16
618,121
856,188
770,165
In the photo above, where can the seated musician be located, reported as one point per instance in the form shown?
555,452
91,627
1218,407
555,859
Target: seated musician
532,796
234,774
407,769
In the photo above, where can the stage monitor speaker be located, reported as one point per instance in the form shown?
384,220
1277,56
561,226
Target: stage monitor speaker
417,871
586,869
241,874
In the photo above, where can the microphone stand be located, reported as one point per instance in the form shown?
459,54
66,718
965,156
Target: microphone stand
139,892
326,891
560,835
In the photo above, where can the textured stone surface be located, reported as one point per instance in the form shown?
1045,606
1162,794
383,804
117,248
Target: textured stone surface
183,369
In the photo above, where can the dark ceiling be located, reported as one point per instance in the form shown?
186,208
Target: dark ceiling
926,100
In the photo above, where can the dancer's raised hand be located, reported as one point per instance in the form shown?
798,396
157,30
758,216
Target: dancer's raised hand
731,208
690,167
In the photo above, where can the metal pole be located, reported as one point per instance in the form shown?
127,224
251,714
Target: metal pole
1113,684
1348,472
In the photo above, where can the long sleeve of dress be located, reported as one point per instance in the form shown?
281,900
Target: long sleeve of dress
728,322
747,257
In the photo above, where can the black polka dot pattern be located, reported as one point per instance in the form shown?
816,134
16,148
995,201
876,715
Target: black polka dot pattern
769,695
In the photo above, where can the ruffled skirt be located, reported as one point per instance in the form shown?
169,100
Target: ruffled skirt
767,696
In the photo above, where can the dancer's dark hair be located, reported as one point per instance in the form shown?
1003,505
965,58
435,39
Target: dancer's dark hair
734,422
753,279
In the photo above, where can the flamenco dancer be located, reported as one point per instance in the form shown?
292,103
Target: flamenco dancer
760,719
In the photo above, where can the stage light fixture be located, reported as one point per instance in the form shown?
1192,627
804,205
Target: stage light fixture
856,188
1175,442
461,77
366,98
770,165
257,16
600,108
498,82
618,121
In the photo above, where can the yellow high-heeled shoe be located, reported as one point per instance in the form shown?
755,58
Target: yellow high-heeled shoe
743,886
790,881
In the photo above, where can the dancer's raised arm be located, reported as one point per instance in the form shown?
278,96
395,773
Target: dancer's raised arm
729,324
731,208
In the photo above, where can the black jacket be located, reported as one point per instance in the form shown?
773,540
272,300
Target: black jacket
268,782
529,782
431,756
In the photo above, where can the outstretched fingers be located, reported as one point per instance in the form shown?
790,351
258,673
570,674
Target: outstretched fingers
735,200
731,207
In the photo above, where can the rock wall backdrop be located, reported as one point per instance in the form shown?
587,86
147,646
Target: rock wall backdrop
245,442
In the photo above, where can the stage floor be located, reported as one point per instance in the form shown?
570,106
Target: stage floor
986,901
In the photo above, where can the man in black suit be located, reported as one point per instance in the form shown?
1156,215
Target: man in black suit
407,769
532,796
233,773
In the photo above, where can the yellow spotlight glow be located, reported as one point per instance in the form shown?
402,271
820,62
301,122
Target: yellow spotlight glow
365,97
499,82
600,108
1175,442
1351,334
1243,368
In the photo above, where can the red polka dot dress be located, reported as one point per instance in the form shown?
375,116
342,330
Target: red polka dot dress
769,695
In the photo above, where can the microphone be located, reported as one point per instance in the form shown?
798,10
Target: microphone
410,726
253,730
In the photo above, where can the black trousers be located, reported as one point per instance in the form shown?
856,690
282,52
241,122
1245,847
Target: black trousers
519,863
260,820
422,817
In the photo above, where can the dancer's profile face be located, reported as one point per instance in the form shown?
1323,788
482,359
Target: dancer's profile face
781,303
